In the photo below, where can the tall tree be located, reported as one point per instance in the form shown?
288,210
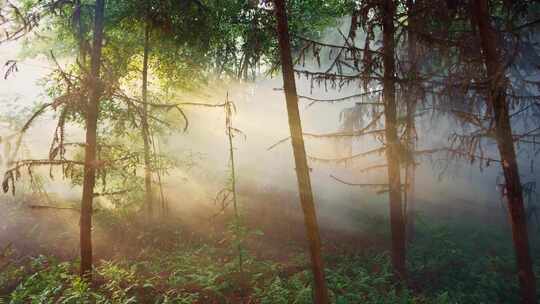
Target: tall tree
498,82
300,159
351,64
397,222
410,129
144,124
172,47
90,160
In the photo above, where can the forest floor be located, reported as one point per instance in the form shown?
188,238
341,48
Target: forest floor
175,261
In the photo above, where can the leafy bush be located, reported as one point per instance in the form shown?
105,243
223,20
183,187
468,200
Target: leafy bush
51,280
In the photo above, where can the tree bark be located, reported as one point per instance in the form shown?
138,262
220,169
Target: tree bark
145,128
302,169
497,98
397,222
90,163
412,100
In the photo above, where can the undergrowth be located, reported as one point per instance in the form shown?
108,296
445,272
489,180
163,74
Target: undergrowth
446,266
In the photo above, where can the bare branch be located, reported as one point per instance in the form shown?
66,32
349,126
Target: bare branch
349,158
346,98
53,207
357,184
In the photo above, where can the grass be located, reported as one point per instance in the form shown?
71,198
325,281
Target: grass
447,264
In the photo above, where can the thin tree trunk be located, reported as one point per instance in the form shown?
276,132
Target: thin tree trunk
397,222
302,169
90,163
412,100
237,224
80,36
155,151
503,130
145,128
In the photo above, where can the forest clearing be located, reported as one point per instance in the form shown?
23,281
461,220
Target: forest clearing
269,152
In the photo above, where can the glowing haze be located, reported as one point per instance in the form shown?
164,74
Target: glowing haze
261,116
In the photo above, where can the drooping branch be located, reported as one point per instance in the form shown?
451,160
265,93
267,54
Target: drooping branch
111,193
345,160
371,168
45,207
348,47
458,153
343,99
362,132
358,184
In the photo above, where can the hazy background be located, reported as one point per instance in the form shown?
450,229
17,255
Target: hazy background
460,189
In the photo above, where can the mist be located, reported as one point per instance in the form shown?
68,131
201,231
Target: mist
233,234
261,116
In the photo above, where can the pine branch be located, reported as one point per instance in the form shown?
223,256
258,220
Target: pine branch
457,152
371,168
112,193
342,99
348,158
53,207
357,184
334,46
361,132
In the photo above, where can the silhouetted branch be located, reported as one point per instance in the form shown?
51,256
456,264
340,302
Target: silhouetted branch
53,207
119,192
346,98
349,158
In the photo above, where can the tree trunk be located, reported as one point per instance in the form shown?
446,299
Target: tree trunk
145,128
237,225
397,222
302,169
412,100
505,143
90,163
